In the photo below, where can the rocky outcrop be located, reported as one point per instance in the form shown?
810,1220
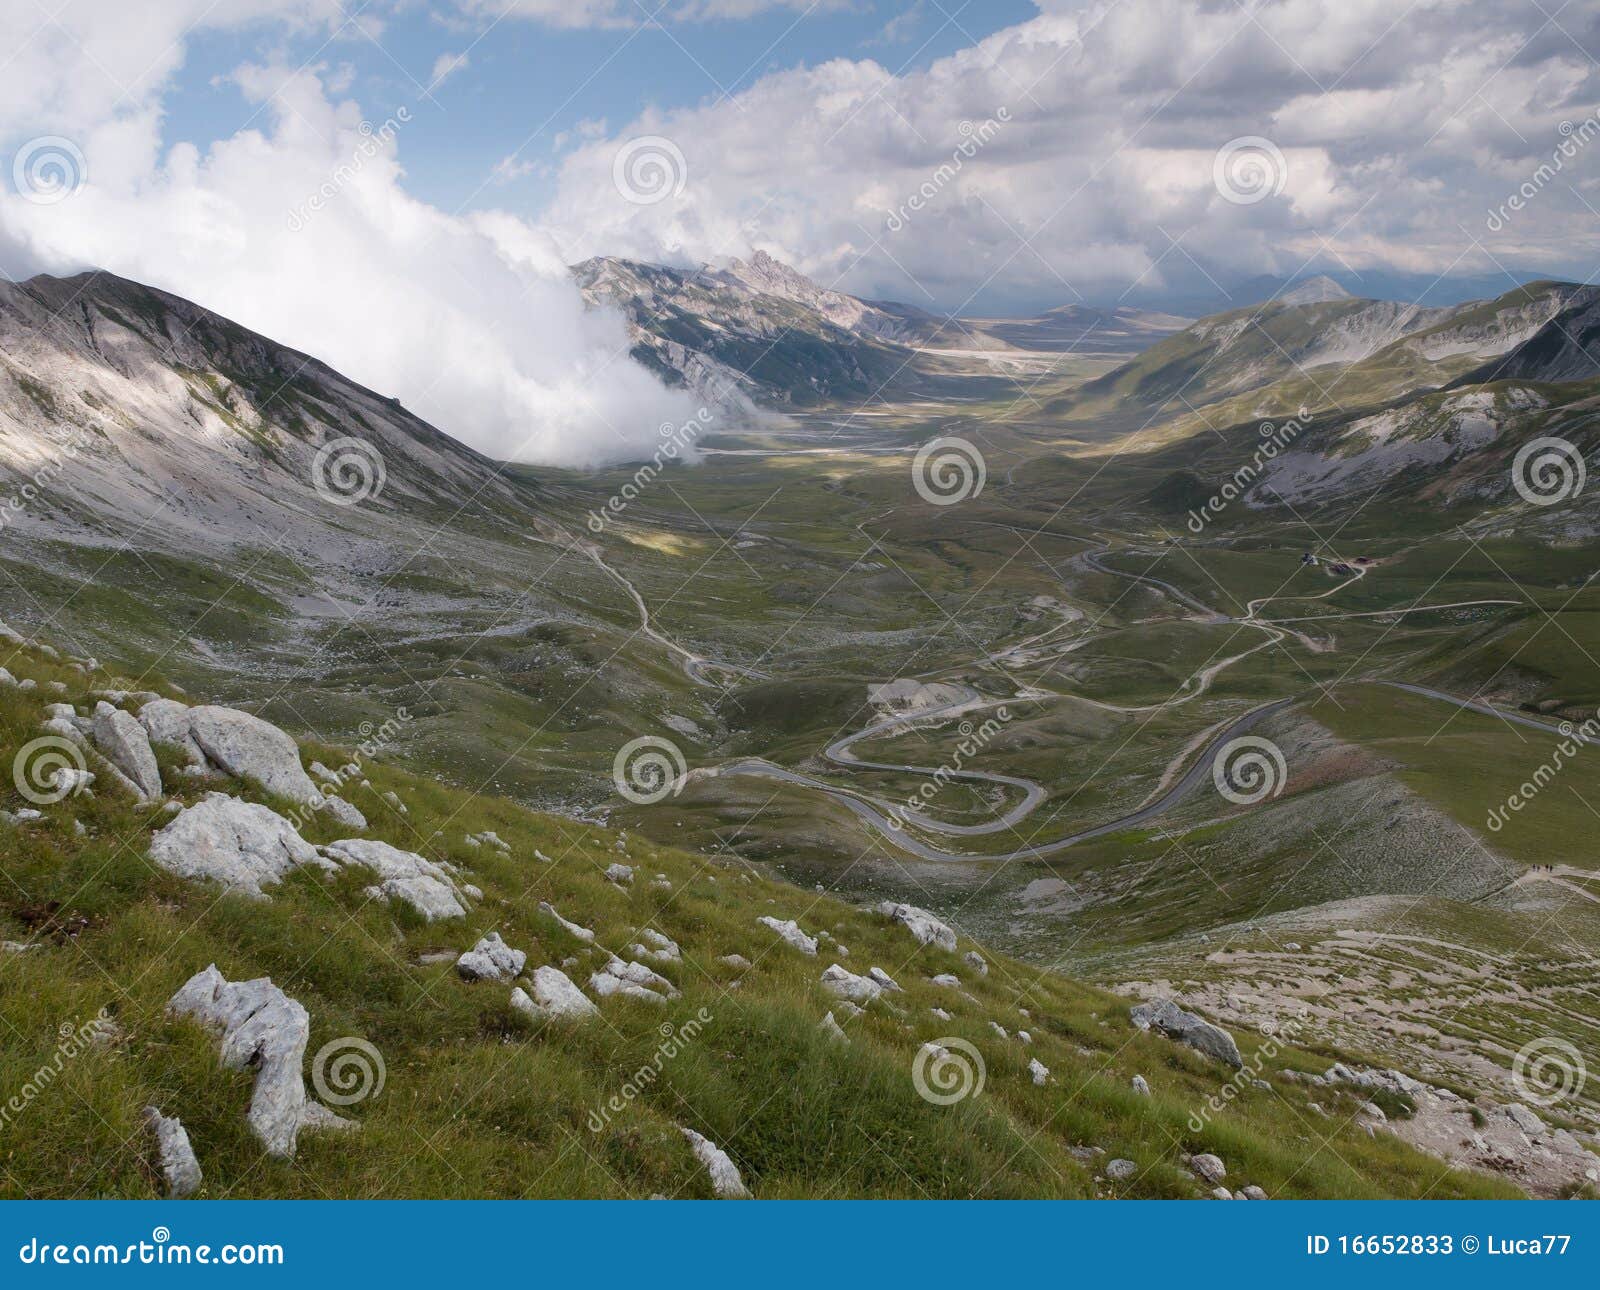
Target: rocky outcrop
632,981
491,959
179,1167
725,1179
124,743
927,929
555,998
405,876
789,932
244,846
581,933
253,749
846,985
1186,1028
262,1029
166,721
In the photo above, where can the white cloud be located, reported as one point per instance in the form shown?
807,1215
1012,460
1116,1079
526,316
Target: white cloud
447,65
1398,125
299,226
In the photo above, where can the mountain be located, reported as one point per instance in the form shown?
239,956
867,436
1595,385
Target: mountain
1313,291
754,333
146,407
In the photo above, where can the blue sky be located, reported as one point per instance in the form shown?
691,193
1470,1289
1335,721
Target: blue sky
527,88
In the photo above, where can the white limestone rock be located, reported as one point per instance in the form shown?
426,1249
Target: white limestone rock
402,875
265,1030
345,814
582,933
166,721
242,845
736,961
947,979
725,1179
620,874
1165,1016
1039,1071
789,931
832,1029
1141,1086
633,981
491,959
846,985
126,746
251,748
179,1167
1209,1167
925,927
1121,1170
976,962
555,998
653,945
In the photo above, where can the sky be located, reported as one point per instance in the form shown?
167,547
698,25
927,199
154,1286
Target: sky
398,187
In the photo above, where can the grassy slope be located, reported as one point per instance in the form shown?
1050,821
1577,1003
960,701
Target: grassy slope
479,1102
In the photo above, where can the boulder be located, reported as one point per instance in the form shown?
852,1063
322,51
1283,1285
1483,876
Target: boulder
736,961
126,746
926,928
179,1167
263,1029
402,875
242,845
947,979
1252,1192
343,813
1039,1071
653,945
725,1180
1209,1167
491,959
789,931
555,998
633,981
251,748
1186,1028
884,979
582,933
1121,1170
846,985
976,962
1140,1086
620,874
832,1029
166,721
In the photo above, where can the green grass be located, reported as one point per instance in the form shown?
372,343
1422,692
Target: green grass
478,1102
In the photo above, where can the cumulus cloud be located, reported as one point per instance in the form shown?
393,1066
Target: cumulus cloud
1393,130
299,226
